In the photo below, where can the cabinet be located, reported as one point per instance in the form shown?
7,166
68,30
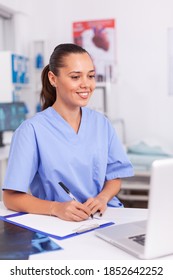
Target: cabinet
135,190
38,54
14,75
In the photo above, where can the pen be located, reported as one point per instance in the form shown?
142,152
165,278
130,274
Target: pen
67,190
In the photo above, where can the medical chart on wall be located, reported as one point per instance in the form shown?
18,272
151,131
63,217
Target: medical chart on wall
98,37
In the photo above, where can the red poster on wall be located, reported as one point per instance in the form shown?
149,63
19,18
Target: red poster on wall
98,38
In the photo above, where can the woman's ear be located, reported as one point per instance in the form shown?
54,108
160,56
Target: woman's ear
52,78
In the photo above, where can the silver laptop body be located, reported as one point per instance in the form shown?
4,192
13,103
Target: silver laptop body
158,228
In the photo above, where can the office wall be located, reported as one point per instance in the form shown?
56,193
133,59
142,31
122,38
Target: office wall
142,87
140,95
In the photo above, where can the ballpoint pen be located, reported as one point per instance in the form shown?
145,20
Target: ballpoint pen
67,190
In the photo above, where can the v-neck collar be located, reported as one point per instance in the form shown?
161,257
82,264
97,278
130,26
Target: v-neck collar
68,126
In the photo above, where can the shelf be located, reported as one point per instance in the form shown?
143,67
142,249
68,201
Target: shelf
135,188
139,186
133,197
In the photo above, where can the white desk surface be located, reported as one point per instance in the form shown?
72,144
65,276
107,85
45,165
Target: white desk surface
87,246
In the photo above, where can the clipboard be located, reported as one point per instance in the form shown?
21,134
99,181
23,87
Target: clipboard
55,227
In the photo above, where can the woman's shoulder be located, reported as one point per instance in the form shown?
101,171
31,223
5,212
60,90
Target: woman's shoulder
32,121
95,114
99,118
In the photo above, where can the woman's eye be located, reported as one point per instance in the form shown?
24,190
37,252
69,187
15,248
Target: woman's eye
92,76
75,77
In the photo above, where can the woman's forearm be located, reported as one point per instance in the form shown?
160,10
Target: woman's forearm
24,202
110,189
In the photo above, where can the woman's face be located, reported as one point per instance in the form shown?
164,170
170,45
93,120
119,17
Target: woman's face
75,82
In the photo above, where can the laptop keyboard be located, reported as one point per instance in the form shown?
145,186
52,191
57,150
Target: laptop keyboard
140,239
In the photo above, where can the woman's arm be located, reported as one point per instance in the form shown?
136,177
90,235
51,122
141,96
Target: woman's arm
23,202
99,203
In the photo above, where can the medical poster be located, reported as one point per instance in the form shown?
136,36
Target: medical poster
98,38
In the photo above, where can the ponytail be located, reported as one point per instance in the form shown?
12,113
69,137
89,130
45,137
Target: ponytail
48,92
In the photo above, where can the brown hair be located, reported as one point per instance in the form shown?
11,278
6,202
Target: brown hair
48,92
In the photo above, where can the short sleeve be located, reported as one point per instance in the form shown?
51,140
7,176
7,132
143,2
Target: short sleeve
119,166
23,159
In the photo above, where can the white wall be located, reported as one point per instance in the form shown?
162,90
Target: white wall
140,95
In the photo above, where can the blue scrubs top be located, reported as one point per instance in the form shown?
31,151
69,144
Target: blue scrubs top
46,150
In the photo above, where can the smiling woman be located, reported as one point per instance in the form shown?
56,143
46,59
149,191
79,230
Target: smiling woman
67,143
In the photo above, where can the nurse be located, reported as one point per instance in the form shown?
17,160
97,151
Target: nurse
66,142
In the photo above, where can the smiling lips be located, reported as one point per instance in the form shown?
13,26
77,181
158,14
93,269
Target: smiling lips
83,95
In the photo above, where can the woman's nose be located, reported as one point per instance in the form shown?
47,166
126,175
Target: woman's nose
84,82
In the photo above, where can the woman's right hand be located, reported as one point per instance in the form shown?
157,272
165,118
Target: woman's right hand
70,210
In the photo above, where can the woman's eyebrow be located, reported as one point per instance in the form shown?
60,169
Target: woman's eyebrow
78,72
74,72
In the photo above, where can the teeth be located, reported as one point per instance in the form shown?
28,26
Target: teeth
83,93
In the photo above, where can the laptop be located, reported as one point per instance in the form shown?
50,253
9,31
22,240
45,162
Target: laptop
152,238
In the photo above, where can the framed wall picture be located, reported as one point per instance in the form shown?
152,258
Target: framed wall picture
98,37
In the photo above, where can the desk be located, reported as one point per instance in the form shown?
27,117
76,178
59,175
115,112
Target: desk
89,247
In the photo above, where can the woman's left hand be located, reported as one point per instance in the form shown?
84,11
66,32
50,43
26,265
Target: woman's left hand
96,204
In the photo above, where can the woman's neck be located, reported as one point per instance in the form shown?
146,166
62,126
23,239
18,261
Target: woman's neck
72,116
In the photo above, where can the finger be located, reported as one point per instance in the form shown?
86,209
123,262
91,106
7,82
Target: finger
95,209
81,208
88,202
101,211
92,204
75,208
84,208
80,215
77,218
97,213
